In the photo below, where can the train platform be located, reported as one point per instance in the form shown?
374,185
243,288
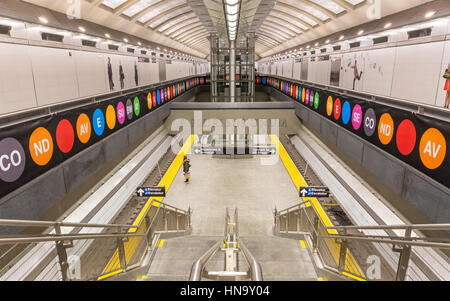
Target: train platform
188,141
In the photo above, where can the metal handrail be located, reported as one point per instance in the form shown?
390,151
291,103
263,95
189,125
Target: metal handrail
405,242
255,267
55,238
197,267
397,227
40,224
363,95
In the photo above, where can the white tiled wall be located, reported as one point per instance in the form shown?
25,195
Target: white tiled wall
16,79
417,72
33,76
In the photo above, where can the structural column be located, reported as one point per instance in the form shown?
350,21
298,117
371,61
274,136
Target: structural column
233,70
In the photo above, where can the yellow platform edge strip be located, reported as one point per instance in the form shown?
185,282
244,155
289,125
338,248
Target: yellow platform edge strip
299,181
131,245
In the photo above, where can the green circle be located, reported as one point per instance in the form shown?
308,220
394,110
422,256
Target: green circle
316,101
137,106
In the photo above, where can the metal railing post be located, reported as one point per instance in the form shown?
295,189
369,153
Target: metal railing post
315,234
405,254
121,250
62,254
342,255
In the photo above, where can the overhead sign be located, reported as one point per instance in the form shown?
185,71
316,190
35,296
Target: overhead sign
314,192
158,191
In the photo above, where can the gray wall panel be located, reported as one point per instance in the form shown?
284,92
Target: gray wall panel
388,171
329,131
79,168
116,144
136,131
349,144
303,113
431,201
40,196
314,121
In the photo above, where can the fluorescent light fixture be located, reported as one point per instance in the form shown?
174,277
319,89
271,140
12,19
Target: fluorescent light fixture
107,35
231,2
388,25
139,43
125,40
317,44
43,20
327,41
232,18
232,10
81,28
360,32
430,14
341,38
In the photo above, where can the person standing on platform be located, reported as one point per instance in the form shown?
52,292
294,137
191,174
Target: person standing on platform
447,86
186,167
122,76
110,75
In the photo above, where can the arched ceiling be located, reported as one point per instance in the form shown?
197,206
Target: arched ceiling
186,24
294,22
172,23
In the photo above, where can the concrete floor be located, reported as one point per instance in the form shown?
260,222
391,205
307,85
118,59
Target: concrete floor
216,184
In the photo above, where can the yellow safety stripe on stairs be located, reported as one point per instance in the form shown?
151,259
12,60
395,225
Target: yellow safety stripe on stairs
161,243
350,263
133,242
303,244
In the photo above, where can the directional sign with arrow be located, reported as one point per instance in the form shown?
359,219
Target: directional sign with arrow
314,192
158,191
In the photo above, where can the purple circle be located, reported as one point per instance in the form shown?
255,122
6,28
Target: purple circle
370,122
121,112
130,109
12,160
357,117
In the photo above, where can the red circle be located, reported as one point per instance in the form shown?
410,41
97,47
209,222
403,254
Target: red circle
337,109
406,137
65,136
154,99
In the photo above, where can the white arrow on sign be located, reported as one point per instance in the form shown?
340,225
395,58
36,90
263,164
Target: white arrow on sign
304,192
140,192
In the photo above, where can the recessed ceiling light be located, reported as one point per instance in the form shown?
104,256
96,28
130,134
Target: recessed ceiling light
429,14
108,36
388,25
317,44
360,32
327,41
125,40
139,43
341,38
43,20
82,29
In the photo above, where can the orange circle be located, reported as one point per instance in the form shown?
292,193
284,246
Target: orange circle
83,128
110,117
433,148
386,129
330,106
149,100
41,146
303,95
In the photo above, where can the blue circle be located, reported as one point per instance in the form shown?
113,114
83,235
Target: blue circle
300,93
158,96
264,80
98,122
346,112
